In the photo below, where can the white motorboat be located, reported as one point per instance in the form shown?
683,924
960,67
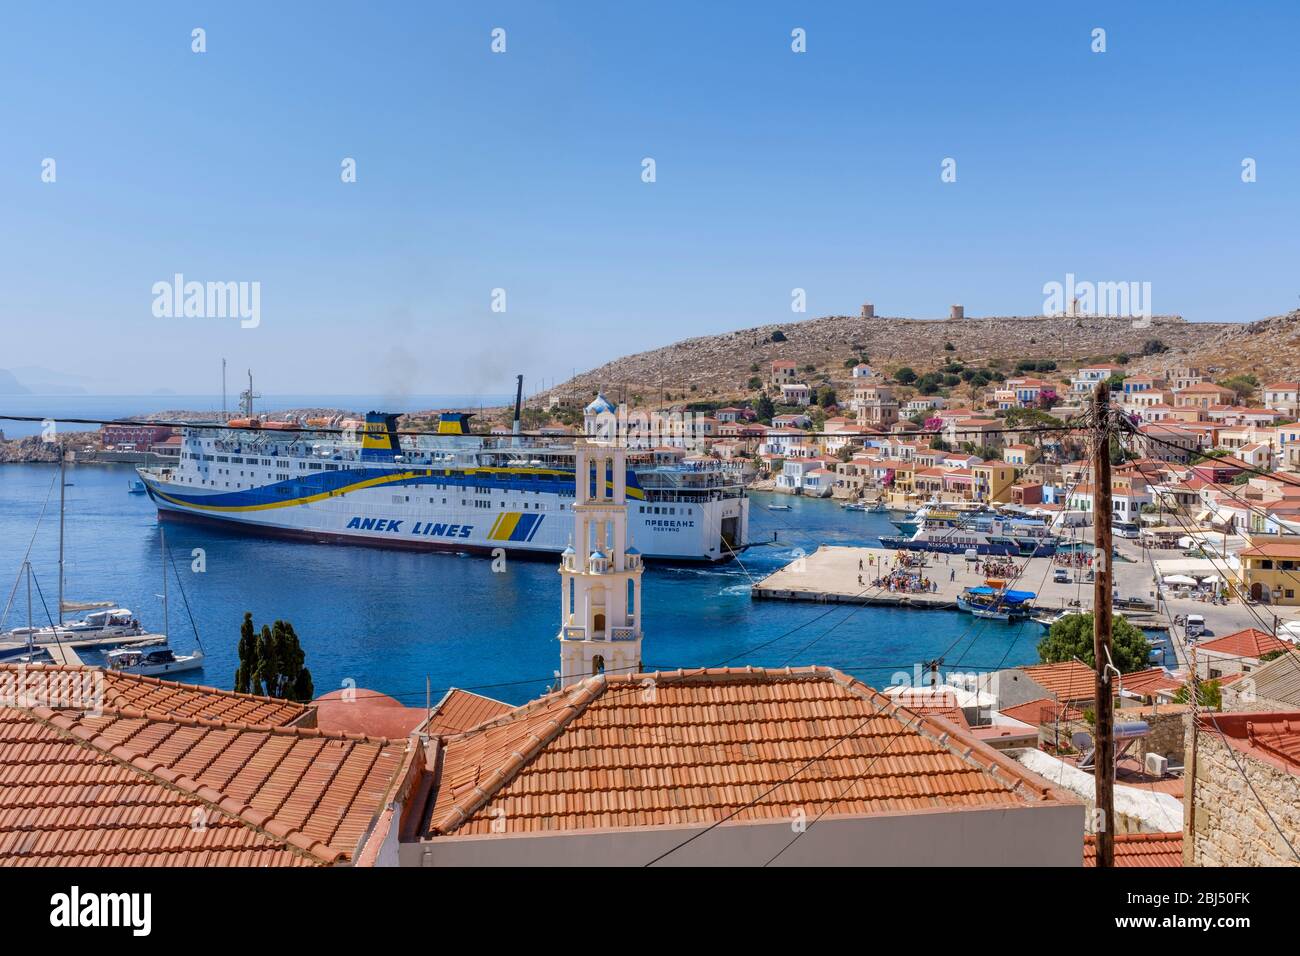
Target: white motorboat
779,508
151,658
152,661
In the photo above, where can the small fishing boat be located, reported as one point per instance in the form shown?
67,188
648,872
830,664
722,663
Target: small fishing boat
854,506
779,508
996,603
135,487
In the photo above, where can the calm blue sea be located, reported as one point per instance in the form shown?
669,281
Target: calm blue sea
124,406
390,619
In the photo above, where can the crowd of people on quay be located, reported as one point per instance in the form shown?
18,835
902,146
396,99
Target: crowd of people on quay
905,574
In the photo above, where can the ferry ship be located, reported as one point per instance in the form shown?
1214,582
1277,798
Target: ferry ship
452,491
985,532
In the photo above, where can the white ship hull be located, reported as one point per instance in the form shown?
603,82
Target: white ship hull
423,514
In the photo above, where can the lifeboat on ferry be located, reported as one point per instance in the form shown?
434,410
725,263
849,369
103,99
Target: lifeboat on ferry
244,422
282,426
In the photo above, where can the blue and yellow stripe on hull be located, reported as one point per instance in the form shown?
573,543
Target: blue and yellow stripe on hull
515,526
318,487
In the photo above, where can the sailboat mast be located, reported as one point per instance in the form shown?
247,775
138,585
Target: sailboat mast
162,537
31,634
62,492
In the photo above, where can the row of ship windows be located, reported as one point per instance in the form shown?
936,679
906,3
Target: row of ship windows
659,509
264,462
538,506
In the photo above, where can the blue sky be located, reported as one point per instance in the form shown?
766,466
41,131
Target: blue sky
522,171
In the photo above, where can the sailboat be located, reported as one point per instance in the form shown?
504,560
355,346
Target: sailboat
156,657
105,619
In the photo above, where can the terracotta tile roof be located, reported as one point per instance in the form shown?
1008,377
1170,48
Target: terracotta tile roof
1272,737
1042,711
170,698
1066,681
929,704
127,787
1139,849
1272,549
701,745
459,710
63,803
1149,682
1250,642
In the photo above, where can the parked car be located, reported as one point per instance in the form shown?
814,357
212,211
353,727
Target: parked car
1195,626
1061,576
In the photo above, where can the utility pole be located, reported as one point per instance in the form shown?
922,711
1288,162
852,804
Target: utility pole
1104,754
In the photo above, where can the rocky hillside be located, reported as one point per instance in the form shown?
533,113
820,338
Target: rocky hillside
720,366
1269,348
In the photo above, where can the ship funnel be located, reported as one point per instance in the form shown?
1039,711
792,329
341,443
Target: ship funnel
454,423
379,437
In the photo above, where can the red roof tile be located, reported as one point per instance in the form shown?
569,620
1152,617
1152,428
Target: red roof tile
1250,642
1149,682
169,697
1042,711
1067,681
1139,849
124,786
459,710
1273,737
698,746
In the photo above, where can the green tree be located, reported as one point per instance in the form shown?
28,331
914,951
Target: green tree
247,656
1243,385
905,375
778,336
764,408
1071,637
1208,695
826,396
272,663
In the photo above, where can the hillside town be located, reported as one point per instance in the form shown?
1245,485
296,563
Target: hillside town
1205,493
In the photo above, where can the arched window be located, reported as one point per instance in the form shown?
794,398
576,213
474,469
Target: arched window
598,664
599,624
631,597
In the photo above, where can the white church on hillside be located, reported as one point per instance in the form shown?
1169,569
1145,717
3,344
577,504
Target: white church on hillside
600,575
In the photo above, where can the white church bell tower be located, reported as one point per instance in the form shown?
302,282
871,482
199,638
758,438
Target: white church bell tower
600,576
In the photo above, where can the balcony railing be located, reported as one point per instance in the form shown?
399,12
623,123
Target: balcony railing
622,633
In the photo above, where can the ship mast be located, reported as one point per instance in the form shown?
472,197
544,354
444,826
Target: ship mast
519,400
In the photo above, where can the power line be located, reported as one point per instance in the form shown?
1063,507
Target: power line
329,430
